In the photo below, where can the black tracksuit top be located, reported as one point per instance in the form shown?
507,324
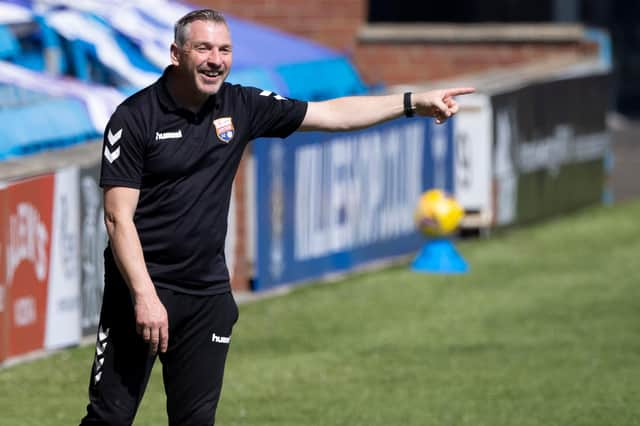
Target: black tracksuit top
184,164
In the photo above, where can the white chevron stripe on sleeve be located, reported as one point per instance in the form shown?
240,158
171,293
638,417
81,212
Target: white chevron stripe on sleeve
113,138
111,156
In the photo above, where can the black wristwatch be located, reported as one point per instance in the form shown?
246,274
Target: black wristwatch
409,110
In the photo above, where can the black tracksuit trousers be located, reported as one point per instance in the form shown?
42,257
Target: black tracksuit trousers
192,368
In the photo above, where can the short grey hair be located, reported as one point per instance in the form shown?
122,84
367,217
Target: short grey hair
182,26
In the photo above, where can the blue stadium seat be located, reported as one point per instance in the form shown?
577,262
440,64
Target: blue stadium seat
53,123
9,46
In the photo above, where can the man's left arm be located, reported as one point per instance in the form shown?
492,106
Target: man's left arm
357,112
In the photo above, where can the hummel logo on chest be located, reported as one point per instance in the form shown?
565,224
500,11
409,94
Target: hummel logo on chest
220,339
168,135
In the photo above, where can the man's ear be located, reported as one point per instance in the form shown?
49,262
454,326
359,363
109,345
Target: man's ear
175,54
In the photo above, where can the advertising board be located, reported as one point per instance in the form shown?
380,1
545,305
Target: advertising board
328,203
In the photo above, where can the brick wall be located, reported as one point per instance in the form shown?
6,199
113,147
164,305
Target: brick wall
336,23
333,23
394,63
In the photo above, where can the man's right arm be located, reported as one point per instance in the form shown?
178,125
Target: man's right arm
151,316
358,112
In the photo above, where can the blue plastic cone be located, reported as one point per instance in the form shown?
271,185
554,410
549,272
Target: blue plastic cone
440,256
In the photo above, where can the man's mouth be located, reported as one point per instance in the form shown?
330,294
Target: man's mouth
211,74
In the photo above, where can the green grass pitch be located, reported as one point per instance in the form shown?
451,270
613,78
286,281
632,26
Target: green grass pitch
544,330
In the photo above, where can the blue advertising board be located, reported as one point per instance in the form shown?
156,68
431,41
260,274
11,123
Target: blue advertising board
330,202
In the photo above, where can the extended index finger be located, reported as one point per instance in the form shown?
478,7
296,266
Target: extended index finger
455,91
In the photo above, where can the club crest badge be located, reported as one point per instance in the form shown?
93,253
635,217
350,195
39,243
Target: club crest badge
224,129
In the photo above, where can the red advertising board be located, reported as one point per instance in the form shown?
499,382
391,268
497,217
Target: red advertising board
3,276
28,241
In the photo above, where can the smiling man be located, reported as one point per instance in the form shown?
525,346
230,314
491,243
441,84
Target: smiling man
170,154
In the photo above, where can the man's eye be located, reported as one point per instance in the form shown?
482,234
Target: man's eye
202,49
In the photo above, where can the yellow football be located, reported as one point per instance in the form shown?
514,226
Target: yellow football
438,214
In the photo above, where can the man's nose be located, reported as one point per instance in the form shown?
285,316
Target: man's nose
215,57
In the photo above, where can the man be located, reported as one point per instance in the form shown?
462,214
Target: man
170,154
